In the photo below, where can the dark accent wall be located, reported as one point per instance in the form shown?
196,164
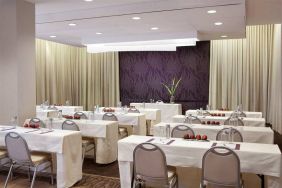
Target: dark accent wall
141,74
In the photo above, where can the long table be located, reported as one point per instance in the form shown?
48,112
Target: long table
251,122
66,110
227,113
104,133
168,110
65,144
250,134
136,120
255,158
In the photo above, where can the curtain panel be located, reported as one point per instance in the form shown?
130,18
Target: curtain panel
65,72
248,72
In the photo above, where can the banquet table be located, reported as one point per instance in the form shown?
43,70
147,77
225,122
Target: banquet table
250,134
66,145
41,113
66,110
105,134
254,158
168,110
136,120
227,113
251,122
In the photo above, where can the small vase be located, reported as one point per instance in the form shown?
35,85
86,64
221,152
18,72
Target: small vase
172,98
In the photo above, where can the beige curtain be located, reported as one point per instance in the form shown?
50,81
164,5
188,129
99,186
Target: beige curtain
248,72
66,72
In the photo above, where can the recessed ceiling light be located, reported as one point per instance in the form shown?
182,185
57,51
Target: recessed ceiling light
72,24
223,36
88,0
136,18
154,28
218,23
53,36
98,33
211,11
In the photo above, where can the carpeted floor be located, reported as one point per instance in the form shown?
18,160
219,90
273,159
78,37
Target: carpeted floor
94,176
96,181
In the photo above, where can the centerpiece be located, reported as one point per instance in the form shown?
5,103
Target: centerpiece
172,88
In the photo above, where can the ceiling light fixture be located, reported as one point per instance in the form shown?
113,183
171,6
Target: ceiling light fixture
218,23
154,45
72,24
211,11
99,33
88,0
53,36
154,28
223,36
136,18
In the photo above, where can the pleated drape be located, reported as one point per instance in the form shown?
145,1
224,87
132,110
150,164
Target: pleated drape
248,72
65,72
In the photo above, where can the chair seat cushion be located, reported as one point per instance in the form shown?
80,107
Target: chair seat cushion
39,158
3,154
86,143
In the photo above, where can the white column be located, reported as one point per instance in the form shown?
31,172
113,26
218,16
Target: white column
17,60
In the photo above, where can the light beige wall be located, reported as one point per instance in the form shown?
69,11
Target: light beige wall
17,60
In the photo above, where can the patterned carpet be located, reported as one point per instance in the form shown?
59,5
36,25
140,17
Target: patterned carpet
96,181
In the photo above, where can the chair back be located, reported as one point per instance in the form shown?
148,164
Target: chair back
81,115
192,119
214,167
234,121
70,125
17,148
133,110
180,130
229,134
52,107
37,121
150,165
110,117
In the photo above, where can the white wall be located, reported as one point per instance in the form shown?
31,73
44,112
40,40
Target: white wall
17,60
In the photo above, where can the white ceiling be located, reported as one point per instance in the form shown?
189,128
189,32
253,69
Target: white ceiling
175,19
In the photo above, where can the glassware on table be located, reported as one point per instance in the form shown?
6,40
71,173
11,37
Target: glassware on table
208,107
119,104
91,116
67,103
60,114
144,105
167,131
50,124
14,121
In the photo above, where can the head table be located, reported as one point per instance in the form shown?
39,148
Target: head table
254,158
251,122
226,113
66,145
250,134
105,134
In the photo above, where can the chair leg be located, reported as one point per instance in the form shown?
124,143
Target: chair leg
94,153
10,171
83,154
34,176
52,173
29,176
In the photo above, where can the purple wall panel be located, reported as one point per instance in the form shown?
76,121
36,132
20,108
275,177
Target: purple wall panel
141,74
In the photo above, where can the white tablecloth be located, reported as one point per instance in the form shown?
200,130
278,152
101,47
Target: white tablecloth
136,120
105,132
167,110
250,134
227,113
41,113
66,110
65,144
255,158
251,122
